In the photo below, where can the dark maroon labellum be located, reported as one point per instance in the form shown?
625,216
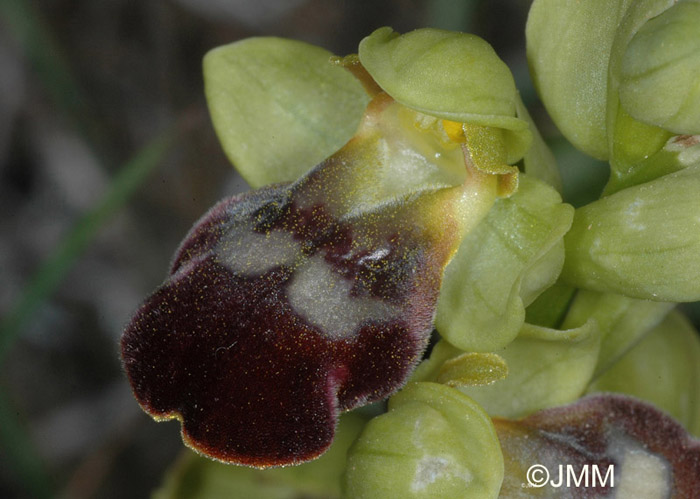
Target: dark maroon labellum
274,318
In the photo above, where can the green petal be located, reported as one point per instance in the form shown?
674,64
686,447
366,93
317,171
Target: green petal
643,241
195,477
502,265
280,106
433,442
473,369
630,140
660,82
546,368
451,75
549,367
664,369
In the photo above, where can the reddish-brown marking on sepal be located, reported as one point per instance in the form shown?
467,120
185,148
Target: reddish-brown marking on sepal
687,140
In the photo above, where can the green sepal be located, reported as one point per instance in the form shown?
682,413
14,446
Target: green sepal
279,107
550,308
585,56
643,241
433,442
195,477
450,75
630,140
664,369
660,73
568,50
629,321
514,254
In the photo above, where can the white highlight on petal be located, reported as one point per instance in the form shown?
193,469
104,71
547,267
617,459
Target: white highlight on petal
247,252
322,297
641,474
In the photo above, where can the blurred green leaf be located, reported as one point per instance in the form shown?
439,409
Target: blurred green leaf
280,106
49,275
502,266
19,454
25,22
448,14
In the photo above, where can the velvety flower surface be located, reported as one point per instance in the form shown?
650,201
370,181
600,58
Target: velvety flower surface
289,304
648,453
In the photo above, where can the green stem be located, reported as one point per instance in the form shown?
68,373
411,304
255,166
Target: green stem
51,272
20,455
26,25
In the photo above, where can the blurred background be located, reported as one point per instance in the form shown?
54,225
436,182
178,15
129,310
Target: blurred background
107,156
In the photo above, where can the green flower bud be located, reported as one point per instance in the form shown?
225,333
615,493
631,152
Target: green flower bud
630,140
643,241
434,442
450,75
660,74
664,369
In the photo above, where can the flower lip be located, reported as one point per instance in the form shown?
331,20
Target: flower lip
252,380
